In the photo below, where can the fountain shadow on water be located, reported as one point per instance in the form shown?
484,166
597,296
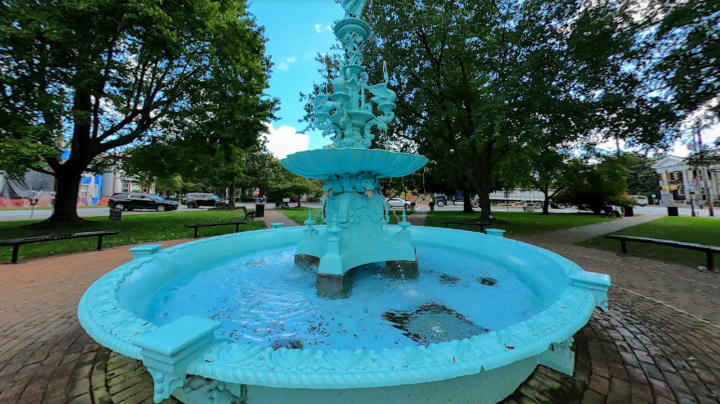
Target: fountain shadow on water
391,270
433,323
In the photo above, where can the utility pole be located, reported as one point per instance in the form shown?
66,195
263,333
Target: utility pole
704,173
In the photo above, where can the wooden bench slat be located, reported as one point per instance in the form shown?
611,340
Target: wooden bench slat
190,226
38,239
199,225
17,242
658,241
709,250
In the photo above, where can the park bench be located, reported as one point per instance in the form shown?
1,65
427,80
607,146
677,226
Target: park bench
17,242
237,224
248,213
469,223
709,250
283,205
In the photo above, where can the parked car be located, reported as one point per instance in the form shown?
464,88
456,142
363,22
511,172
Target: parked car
196,200
399,203
641,200
132,201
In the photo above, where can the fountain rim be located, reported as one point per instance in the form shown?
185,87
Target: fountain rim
101,314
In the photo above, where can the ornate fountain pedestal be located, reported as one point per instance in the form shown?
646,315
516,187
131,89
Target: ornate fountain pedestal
355,211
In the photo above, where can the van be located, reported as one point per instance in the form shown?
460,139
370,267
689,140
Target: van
641,200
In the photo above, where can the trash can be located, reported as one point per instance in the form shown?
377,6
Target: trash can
259,210
672,211
629,211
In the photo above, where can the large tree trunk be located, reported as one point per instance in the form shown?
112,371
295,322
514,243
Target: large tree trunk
484,202
299,196
546,202
65,206
231,199
467,202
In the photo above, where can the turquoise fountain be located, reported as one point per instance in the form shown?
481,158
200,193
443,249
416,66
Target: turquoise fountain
354,310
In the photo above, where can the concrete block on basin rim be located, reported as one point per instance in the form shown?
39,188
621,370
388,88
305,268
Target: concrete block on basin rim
167,351
144,250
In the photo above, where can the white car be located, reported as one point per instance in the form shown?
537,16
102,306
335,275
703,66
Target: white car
398,203
641,200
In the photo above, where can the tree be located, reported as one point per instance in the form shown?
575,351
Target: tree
287,183
480,82
595,186
549,171
93,76
682,48
642,178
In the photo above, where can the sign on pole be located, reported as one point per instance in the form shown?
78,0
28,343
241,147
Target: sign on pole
115,215
256,192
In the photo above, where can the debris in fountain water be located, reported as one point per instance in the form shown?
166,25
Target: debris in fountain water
290,342
445,279
487,281
432,323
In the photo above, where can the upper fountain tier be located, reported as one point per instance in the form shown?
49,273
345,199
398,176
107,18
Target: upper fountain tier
347,116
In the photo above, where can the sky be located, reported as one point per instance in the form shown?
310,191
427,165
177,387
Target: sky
296,30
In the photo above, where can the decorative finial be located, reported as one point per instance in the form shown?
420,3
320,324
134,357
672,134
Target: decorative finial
310,222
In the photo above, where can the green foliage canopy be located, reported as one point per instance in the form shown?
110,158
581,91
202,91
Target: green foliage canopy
93,76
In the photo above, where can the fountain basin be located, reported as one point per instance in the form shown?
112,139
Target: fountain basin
189,358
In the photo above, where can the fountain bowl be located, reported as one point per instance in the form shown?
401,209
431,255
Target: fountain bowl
188,359
322,163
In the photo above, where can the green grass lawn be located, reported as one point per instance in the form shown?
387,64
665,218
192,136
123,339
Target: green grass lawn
133,229
519,223
689,229
299,215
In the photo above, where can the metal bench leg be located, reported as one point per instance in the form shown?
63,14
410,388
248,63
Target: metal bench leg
709,259
15,253
623,246
99,244
237,227
195,236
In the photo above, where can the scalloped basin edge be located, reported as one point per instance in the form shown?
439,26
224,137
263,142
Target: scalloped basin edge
186,359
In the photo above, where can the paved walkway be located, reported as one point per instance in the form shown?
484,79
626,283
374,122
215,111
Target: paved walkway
644,350
576,234
274,216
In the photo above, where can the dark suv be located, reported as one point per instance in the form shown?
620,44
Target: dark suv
130,201
196,200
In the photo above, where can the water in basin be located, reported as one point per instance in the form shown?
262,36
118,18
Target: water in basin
264,298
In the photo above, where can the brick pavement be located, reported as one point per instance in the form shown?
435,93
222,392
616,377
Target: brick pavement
642,351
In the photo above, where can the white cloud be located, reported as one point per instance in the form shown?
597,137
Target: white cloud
319,28
285,140
285,63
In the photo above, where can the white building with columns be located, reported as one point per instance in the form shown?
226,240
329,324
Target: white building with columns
681,183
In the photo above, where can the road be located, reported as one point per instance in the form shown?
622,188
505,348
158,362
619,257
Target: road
653,209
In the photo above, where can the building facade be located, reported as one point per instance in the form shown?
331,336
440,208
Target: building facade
116,180
682,184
